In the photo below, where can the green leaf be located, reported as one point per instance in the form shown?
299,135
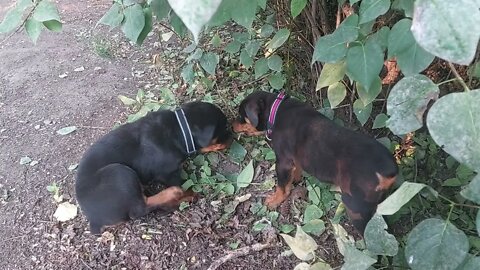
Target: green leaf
365,62
134,22
478,222
243,13
314,226
367,95
126,100
474,70
196,55
411,58
296,7
275,63
278,39
336,93
276,80
356,260
160,8
242,37
261,67
209,62
246,176
13,17
46,11
262,4
177,24
148,25
408,101
53,25
195,14
331,73
216,41
312,212
454,123
472,190
378,240
245,59
66,130
286,228
361,111
471,264
302,245
259,226
113,17
187,73
252,47
380,121
333,47
371,9
33,28
381,37
266,30
237,152
437,27
233,47
436,244
405,5
400,197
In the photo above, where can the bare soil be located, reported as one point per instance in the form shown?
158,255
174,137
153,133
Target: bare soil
37,99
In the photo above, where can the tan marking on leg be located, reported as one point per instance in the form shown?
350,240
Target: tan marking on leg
170,197
275,199
384,183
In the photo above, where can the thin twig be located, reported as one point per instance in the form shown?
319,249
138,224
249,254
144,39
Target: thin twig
239,253
91,127
461,81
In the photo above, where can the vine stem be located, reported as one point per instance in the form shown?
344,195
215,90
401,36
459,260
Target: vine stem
447,81
454,204
462,82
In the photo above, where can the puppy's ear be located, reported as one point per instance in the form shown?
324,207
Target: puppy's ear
252,110
203,136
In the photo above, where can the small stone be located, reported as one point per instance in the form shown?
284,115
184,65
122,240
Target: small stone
79,69
37,127
64,75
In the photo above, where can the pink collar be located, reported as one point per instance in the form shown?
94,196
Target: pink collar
273,113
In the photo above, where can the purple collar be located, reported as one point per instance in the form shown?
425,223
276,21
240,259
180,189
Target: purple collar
273,113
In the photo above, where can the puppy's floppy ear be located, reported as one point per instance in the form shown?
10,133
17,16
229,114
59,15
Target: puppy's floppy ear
252,110
203,136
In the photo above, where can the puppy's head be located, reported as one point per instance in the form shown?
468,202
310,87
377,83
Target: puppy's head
253,113
208,125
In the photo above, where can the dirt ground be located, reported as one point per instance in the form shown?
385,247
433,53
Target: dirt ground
37,99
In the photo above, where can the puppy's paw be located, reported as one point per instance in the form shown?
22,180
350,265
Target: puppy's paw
273,201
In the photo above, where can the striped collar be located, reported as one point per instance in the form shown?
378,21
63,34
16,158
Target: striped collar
273,113
186,132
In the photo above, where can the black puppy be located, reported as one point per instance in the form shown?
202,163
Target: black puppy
305,140
111,174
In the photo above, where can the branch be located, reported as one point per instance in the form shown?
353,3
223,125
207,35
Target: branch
455,72
239,253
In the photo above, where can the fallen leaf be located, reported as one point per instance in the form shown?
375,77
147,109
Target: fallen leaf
25,160
302,245
65,211
66,130
73,167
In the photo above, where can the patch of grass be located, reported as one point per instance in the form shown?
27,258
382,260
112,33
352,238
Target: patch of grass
103,47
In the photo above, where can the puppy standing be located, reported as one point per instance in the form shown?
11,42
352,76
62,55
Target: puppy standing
151,150
303,139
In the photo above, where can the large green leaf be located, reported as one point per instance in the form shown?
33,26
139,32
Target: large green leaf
243,13
195,14
356,260
314,226
296,6
336,94
411,58
448,29
252,47
312,212
261,67
436,244
134,22
246,176
408,101
33,28
279,38
331,73
275,63
245,59
400,197
472,191
405,5
160,8
361,111
13,17
237,152
365,62
367,95
378,240
209,62
276,80
333,47
471,263
454,123
371,9
187,73
380,121
148,25
381,37
53,25
113,17
46,11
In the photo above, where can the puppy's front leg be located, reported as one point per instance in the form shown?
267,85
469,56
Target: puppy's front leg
286,174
